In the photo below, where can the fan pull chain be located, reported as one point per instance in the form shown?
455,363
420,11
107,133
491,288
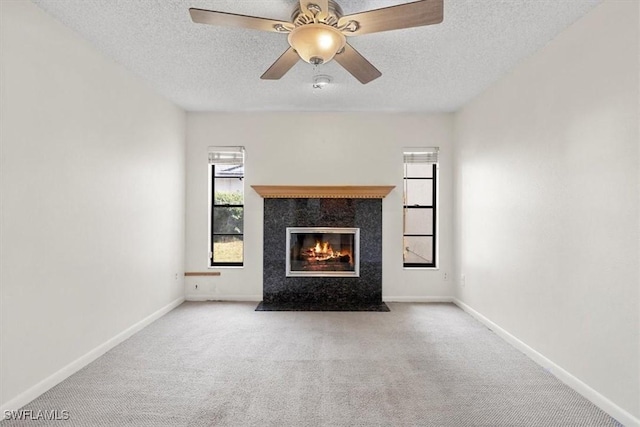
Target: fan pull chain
314,72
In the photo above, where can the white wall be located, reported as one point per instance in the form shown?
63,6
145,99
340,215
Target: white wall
547,203
315,149
92,169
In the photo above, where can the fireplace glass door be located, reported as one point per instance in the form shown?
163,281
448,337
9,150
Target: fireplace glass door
323,251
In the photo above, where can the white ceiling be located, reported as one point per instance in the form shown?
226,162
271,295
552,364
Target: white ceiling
436,68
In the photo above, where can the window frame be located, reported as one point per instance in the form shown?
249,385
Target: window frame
213,206
434,209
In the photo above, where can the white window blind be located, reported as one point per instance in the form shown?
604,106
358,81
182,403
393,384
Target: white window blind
226,155
422,155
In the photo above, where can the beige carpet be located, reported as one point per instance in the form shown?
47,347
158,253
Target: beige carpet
225,364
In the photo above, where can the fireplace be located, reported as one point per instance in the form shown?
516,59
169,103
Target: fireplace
322,248
323,252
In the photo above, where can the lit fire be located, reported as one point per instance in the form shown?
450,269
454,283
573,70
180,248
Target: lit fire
323,252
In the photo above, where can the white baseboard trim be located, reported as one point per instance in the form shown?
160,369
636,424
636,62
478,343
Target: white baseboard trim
221,297
598,399
417,299
258,298
27,396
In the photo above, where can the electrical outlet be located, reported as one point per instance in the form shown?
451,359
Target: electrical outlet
446,276
176,276
463,280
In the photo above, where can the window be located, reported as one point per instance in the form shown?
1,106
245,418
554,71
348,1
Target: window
420,209
227,206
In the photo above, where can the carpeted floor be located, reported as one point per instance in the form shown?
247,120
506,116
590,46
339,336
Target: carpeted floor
225,364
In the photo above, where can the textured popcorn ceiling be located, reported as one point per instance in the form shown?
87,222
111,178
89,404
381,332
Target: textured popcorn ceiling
437,68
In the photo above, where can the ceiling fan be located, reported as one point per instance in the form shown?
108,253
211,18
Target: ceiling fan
318,30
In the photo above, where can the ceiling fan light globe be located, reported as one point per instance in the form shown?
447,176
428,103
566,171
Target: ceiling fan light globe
316,43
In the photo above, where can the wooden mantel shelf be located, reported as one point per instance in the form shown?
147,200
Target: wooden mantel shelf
323,191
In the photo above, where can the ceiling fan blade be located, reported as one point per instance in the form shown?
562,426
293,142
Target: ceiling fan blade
416,14
357,65
212,17
322,4
282,65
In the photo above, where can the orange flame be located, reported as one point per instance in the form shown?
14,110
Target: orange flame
322,251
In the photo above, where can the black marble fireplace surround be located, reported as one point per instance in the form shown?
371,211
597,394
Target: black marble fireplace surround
363,293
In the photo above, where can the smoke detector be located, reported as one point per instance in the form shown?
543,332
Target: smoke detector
321,81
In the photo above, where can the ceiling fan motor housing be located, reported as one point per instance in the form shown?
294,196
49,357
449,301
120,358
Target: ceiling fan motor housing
301,17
